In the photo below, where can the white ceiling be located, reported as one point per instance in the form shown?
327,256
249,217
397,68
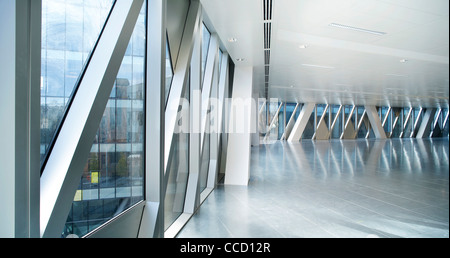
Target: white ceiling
341,66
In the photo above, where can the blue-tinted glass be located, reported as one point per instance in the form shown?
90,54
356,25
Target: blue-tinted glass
113,176
70,29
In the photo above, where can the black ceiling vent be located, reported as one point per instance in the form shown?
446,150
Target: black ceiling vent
266,57
267,10
267,34
267,15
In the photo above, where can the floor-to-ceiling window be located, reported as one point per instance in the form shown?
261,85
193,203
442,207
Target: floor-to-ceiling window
112,179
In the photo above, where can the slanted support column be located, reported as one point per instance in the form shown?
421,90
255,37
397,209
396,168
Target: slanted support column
302,121
290,124
425,126
349,128
375,122
237,170
322,132
192,201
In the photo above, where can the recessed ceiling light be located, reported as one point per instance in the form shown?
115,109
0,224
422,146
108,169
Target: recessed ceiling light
380,33
240,59
319,66
403,60
302,46
232,40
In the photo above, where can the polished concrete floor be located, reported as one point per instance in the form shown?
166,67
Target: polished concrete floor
362,188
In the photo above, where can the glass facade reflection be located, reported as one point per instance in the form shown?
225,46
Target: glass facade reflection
70,29
113,176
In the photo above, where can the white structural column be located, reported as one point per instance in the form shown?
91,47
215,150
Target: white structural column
302,121
425,125
208,83
193,186
435,130
290,124
181,72
322,132
415,127
218,122
406,122
71,149
20,50
349,128
272,123
334,120
152,222
375,122
237,170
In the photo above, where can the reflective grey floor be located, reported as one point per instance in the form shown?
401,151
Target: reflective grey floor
361,188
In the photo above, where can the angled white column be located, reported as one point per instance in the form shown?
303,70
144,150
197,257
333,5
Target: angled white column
425,125
181,72
213,119
208,82
274,120
415,125
375,122
349,128
193,186
435,123
302,121
322,132
71,149
152,222
290,124
406,122
237,170
20,50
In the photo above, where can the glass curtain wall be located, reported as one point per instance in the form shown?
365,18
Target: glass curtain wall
113,176
70,29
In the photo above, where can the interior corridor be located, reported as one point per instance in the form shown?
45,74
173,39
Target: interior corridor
353,188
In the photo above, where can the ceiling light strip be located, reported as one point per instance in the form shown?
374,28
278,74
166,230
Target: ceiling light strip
337,25
319,66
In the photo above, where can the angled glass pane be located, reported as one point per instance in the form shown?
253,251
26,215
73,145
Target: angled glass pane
309,129
206,38
337,129
70,30
445,123
281,121
178,165
113,176
169,70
